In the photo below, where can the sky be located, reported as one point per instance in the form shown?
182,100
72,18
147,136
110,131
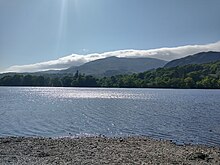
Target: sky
54,34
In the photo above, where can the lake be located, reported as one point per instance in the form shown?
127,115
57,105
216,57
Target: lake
180,115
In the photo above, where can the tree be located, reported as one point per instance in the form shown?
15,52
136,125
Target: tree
189,83
27,80
55,82
76,74
39,81
66,81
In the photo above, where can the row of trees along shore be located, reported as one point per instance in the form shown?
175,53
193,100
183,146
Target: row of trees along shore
189,76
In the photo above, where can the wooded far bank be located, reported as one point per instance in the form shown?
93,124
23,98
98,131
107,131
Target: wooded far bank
189,76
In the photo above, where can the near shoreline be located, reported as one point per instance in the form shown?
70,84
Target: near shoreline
102,150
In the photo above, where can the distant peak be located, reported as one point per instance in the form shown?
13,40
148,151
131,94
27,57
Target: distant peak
112,57
208,52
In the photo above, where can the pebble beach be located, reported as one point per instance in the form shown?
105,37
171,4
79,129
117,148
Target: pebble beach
103,150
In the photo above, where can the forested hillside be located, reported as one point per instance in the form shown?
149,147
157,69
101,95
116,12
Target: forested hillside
189,76
199,58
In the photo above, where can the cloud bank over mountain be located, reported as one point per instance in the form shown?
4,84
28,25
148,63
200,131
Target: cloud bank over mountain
167,54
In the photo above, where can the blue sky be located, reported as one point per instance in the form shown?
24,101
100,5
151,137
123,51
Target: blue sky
34,31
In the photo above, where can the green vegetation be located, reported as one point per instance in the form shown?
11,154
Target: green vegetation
189,76
199,58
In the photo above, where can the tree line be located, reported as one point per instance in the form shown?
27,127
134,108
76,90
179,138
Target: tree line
189,76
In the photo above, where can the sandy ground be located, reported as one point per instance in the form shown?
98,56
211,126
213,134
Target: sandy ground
101,150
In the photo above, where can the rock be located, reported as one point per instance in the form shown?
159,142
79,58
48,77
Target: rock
42,154
198,156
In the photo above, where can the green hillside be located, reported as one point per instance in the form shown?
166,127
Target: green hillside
199,58
189,76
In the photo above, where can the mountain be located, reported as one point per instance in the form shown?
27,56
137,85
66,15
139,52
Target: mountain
199,58
114,66
188,76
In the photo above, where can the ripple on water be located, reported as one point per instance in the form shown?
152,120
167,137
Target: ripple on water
184,116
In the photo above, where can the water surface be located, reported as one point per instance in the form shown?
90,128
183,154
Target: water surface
184,116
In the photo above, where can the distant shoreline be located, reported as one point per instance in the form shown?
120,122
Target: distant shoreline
194,76
113,87
102,150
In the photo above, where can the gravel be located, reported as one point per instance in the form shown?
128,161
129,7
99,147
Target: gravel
103,150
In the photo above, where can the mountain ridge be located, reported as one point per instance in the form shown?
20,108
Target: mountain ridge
199,58
110,66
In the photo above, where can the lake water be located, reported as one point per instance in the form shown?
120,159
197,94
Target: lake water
184,116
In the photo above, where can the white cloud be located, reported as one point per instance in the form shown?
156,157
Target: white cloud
76,59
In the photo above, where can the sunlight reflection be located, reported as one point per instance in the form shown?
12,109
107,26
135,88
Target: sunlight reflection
62,22
79,93
66,7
